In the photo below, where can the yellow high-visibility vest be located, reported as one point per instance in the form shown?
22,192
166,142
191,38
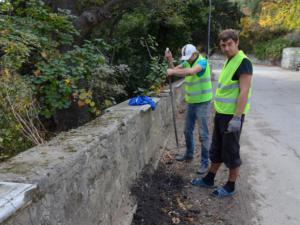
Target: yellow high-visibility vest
198,89
228,90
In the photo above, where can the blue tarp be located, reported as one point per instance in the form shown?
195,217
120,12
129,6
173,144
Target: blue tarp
142,100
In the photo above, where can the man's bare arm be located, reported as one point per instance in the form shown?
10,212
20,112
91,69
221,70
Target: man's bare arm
245,84
180,72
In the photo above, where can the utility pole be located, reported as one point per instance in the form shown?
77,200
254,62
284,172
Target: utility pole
208,30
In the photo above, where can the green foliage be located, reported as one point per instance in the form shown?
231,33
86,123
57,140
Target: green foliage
31,37
15,100
172,24
106,84
264,31
37,52
32,34
250,7
148,69
57,80
83,4
272,49
5,6
283,14
157,75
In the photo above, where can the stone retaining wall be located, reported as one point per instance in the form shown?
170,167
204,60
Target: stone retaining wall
291,59
83,177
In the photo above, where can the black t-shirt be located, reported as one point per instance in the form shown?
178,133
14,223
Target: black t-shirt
244,68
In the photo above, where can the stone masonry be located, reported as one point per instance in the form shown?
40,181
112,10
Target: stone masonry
83,176
291,59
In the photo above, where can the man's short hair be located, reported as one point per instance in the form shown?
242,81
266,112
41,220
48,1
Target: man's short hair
227,34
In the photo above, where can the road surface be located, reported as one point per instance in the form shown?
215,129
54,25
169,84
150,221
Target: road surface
271,146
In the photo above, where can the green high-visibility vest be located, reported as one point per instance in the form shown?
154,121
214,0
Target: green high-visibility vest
197,89
228,90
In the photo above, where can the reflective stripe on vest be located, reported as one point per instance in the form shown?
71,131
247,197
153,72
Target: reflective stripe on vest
227,87
228,90
198,89
199,92
202,80
229,100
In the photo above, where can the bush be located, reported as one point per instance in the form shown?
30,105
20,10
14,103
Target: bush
107,84
19,123
272,49
157,75
42,78
62,80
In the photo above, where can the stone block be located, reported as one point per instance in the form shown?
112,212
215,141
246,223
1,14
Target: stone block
291,59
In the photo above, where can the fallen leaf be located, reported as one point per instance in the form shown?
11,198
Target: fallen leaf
44,54
190,219
167,158
37,73
81,103
180,204
164,210
175,220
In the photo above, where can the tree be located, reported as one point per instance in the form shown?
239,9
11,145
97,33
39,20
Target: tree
78,56
94,13
270,28
282,14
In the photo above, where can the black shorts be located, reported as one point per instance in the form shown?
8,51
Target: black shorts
225,147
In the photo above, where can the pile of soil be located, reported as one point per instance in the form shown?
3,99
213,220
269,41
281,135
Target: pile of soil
160,199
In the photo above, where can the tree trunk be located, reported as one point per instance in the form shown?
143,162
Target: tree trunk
89,18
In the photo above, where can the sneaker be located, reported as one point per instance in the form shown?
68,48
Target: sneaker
202,169
184,158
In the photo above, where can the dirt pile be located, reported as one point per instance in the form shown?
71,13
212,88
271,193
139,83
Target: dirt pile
160,199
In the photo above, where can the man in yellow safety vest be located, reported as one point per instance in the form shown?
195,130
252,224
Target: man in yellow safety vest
198,94
231,103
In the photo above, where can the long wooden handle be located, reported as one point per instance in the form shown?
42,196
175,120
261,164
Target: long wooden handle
173,110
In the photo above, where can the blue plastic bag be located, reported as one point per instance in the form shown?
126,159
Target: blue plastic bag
142,100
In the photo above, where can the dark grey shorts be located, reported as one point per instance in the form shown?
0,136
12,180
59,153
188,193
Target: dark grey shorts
225,147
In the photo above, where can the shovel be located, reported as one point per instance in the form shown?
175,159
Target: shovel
173,110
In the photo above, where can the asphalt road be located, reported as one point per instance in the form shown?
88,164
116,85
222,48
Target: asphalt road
270,146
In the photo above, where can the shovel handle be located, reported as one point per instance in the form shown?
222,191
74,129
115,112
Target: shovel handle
173,110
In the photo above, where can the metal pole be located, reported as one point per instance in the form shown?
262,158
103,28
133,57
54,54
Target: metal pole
208,30
173,110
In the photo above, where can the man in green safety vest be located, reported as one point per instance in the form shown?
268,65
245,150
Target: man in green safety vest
232,102
198,95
